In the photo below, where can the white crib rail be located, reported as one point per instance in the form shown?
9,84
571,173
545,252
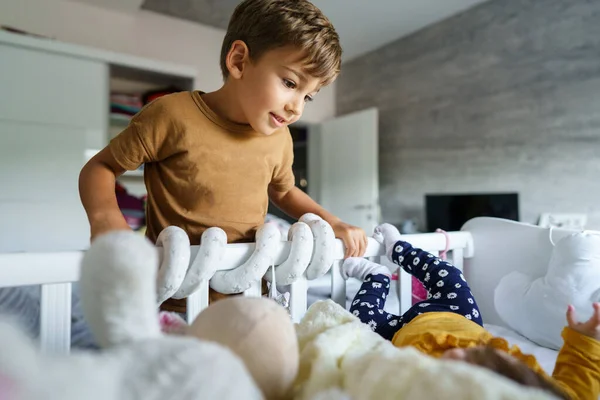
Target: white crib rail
55,272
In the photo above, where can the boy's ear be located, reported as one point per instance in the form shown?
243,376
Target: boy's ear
237,58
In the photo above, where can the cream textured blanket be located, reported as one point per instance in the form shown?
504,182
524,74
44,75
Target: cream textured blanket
341,358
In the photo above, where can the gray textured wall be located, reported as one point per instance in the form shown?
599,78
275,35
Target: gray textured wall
503,97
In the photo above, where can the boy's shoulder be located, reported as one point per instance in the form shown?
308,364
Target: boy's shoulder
169,110
170,103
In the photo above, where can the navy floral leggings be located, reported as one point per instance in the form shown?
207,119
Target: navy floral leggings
447,291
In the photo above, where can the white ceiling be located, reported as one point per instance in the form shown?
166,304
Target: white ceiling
363,25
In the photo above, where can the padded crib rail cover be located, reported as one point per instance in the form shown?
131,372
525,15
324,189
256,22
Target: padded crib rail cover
338,353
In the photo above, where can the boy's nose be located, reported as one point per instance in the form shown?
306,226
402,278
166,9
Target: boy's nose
295,107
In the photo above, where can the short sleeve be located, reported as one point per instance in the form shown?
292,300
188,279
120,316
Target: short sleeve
147,138
283,176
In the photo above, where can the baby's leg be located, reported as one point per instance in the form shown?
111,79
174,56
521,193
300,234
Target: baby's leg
447,289
369,301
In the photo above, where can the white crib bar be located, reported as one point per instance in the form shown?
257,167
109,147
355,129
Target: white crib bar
338,284
197,302
298,299
55,318
56,271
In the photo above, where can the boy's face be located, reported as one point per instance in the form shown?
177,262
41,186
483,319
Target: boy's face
274,89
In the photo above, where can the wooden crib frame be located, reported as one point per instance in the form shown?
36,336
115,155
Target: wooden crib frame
56,272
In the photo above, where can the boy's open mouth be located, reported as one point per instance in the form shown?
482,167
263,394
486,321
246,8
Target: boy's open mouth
278,118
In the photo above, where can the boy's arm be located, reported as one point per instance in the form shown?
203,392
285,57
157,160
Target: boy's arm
296,203
97,192
577,367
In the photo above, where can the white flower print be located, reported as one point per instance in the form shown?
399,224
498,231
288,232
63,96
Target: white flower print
383,295
356,313
423,305
437,262
443,273
409,267
414,253
373,325
378,301
454,308
471,301
400,259
362,292
475,313
429,255
365,304
428,296
468,316
425,266
368,279
393,322
399,249
451,295
380,311
463,277
371,312
376,285
387,286
458,286
437,296
427,276
440,283
389,316
355,302
416,261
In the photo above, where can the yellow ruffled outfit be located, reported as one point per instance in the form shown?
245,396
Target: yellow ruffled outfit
577,369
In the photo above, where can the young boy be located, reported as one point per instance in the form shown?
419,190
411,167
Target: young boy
448,324
215,159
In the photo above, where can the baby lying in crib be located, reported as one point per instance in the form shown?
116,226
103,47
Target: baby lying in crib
449,325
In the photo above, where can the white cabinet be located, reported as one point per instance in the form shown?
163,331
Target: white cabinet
54,104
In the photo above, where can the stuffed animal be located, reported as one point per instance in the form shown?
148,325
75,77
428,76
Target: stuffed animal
535,306
247,341
118,282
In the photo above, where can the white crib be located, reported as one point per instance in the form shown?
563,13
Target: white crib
480,249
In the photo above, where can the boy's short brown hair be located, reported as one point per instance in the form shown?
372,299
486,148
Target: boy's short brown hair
269,24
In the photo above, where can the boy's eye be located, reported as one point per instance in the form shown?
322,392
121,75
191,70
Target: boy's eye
308,98
289,84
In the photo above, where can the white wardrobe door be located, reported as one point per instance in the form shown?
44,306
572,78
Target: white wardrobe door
52,108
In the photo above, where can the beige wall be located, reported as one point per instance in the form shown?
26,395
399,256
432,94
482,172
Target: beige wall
140,33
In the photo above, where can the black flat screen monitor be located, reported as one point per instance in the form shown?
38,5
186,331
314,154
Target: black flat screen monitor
450,211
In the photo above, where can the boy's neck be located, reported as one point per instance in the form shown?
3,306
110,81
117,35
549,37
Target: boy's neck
224,102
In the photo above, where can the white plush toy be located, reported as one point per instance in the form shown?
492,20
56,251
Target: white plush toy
118,283
536,306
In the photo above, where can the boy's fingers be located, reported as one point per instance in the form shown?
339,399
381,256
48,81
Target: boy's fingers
356,246
365,243
571,315
596,315
349,243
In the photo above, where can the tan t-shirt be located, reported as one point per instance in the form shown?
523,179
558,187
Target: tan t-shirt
201,170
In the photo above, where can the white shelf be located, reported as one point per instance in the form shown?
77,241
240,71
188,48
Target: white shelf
138,173
111,58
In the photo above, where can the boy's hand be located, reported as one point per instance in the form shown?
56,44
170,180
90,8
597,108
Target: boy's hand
354,238
591,327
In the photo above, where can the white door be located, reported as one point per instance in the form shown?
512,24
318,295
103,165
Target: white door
343,170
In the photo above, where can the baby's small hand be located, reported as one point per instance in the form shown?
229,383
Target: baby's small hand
354,238
591,327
